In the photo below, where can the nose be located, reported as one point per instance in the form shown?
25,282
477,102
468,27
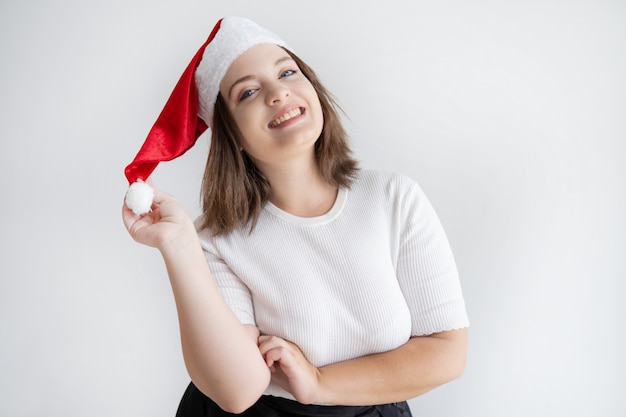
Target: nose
277,93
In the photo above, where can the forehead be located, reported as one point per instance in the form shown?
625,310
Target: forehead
264,55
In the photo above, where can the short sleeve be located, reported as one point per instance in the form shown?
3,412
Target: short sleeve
235,292
426,268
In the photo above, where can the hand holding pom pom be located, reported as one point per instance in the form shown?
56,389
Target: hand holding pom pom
162,221
139,198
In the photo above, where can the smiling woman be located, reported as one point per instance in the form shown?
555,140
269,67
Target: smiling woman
233,188
307,286
274,106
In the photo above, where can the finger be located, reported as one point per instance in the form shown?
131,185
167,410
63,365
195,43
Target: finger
128,217
271,357
284,356
270,342
159,194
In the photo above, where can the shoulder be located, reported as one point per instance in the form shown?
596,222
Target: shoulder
397,194
375,176
390,183
207,240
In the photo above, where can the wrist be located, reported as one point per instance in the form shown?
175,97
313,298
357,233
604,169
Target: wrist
320,394
180,241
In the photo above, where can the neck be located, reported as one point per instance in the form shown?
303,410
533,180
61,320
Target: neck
300,189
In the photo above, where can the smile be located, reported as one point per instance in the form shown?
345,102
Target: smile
289,115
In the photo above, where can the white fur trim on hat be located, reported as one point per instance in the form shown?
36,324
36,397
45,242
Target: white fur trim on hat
235,36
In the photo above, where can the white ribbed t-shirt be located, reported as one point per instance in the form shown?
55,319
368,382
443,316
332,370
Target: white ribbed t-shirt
360,279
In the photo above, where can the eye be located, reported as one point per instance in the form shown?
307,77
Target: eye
287,73
246,94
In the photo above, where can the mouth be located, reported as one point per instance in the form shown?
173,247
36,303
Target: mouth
298,111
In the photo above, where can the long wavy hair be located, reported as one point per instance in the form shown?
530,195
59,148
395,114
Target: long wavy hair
234,190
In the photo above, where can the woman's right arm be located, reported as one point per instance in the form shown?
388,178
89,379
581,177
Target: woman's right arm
221,354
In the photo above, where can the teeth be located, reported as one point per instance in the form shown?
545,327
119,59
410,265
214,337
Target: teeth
286,116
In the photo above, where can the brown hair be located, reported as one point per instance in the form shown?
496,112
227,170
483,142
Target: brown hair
234,190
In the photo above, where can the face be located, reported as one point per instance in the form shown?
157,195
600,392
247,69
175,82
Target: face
276,108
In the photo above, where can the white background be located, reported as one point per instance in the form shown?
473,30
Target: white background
510,114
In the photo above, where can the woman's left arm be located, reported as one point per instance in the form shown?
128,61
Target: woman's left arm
418,366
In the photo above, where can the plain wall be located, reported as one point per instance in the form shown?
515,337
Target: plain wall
510,114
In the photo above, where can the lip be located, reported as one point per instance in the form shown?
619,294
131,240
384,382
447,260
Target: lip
284,112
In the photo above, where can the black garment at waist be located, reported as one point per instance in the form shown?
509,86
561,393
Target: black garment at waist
195,404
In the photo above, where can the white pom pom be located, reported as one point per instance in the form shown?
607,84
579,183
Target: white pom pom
139,198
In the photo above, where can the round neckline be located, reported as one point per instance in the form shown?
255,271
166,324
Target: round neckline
330,215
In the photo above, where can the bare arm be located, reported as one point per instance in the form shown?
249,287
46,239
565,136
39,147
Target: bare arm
221,355
420,365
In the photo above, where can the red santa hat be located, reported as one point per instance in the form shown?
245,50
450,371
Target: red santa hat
189,110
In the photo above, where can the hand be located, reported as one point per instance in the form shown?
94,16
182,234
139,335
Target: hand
167,222
290,369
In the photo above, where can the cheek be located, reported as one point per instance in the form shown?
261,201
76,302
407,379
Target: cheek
319,114
243,120
316,104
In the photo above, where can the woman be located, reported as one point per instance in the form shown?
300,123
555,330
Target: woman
308,286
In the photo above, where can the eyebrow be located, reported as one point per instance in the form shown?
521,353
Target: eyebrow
250,77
